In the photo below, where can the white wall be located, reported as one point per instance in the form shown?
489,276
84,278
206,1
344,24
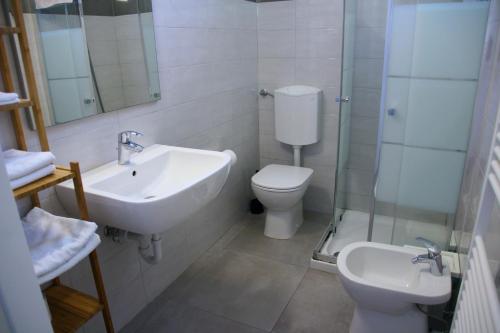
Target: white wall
207,57
300,42
483,129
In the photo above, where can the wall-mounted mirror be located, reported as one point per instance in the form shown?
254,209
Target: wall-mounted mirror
92,56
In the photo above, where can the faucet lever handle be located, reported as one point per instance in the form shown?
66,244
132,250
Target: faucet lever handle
124,136
135,133
132,133
432,247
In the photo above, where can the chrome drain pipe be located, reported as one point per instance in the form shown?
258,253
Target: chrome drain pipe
149,246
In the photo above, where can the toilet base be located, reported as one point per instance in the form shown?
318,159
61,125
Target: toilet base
284,224
369,321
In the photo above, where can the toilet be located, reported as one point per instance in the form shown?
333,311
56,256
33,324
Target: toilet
281,188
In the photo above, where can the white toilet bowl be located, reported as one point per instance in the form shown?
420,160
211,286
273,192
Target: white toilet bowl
386,287
280,188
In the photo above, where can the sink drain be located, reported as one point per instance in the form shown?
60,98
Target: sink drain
150,197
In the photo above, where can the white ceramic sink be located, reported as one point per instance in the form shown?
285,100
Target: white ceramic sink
161,187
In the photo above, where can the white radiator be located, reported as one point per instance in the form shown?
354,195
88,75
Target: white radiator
478,308
494,176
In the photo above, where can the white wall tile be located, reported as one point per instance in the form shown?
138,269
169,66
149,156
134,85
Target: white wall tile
318,43
276,15
445,57
319,14
276,43
442,109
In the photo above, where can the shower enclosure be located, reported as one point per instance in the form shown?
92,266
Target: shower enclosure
409,76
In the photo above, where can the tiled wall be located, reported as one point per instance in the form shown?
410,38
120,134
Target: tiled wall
485,114
300,42
367,83
207,56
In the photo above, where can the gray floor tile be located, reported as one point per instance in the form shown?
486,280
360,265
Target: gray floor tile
177,289
320,304
181,318
296,251
245,288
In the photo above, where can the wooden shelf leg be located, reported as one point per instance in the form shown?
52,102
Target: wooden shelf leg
94,261
30,73
9,87
99,284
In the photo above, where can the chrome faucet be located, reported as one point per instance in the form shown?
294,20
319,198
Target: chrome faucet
433,256
126,147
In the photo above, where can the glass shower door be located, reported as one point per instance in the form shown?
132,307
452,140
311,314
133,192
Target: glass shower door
431,69
345,107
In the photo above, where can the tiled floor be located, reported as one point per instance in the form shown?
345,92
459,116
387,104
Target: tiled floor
250,283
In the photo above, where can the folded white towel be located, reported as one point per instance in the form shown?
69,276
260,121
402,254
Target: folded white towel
8,98
35,175
21,163
40,4
54,240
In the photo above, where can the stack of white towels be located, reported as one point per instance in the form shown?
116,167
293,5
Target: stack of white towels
8,98
55,241
25,167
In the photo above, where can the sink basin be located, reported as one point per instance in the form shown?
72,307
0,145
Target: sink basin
161,187
386,285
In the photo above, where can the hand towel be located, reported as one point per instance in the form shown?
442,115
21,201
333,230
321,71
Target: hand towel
21,163
40,4
8,98
54,240
35,175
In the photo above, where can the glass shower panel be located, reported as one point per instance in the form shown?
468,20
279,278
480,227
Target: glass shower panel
345,107
430,78
340,232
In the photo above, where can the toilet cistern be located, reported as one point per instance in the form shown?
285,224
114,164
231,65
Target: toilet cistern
433,256
126,146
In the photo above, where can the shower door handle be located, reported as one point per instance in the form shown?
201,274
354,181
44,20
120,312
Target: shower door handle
342,99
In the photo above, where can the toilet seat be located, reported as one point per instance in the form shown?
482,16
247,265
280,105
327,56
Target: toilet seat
282,178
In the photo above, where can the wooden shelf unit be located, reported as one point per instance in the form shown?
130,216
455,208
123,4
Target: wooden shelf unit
23,103
60,175
70,309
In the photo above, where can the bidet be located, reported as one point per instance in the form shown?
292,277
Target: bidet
386,287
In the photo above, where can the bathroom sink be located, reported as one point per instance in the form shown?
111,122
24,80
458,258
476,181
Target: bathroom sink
159,188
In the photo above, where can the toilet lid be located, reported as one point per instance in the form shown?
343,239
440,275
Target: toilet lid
282,177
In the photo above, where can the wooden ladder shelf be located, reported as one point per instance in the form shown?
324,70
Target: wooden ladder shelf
70,309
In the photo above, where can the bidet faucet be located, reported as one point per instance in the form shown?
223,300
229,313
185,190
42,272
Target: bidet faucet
127,146
433,256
